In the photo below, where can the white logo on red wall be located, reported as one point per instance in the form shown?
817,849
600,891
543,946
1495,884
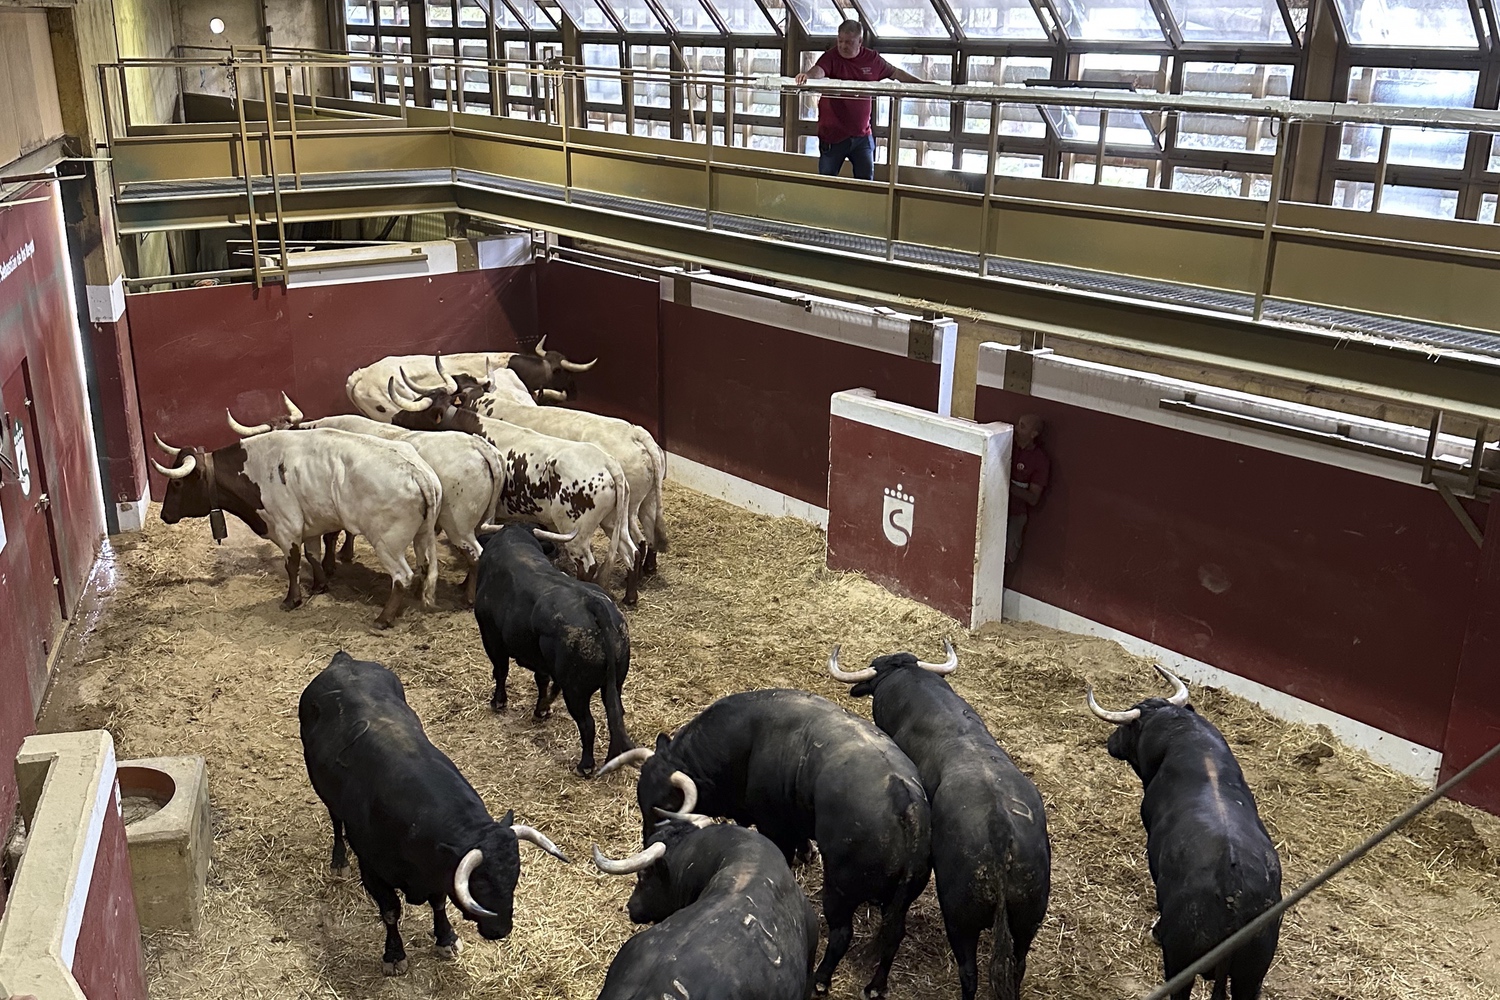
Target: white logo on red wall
896,516
23,467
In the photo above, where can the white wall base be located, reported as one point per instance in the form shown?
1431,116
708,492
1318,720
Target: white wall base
1404,756
132,513
742,492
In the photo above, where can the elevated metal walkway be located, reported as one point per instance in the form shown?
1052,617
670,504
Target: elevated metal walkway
1406,309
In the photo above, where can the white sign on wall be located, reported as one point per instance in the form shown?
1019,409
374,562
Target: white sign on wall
23,467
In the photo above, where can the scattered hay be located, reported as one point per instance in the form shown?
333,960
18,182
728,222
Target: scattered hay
193,656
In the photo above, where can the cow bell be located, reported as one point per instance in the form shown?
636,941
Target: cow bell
216,523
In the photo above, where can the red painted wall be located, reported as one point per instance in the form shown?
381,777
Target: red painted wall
107,961
1345,590
200,350
752,400
37,326
589,313
1474,725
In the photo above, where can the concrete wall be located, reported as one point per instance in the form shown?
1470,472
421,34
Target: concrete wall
292,23
145,30
30,116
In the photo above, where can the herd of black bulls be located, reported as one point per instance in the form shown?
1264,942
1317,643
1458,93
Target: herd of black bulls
924,790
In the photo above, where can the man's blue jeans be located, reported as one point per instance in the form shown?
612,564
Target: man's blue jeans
859,151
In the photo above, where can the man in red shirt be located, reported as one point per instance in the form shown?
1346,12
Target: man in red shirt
844,122
1030,468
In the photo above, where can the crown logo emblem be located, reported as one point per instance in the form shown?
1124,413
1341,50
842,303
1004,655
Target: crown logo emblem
897,512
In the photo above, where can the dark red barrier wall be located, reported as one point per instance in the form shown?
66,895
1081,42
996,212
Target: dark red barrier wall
589,313
37,330
200,350
1342,589
752,400
1474,725
107,960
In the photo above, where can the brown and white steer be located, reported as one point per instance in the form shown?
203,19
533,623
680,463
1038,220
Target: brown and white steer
570,487
471,470
293,486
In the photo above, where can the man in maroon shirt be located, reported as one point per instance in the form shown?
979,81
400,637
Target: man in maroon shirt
1030,468
844,122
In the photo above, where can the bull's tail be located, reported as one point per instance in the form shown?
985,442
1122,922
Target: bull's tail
1005,981
621,548
614,678
426,542
659,460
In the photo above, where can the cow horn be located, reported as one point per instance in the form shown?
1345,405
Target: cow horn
947,666
846,676
291,409
410,384
1179,696
181,472
539,348
450,384
688,788
556,395
635,758
171,452
241,429
540,839
461,892
1118,718
697,819
552,536
401,401
574,366
629,866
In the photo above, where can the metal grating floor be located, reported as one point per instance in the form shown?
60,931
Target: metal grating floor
1237,303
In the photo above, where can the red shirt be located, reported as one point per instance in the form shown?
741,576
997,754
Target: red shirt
1030,467
841,118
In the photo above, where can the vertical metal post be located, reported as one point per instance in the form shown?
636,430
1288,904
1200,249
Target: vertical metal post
992,157
401,85
708,156
268,89
291,114
1099,149
893,161
1268,234
1381,166
729,99
627,94
239,107
562,115
109,138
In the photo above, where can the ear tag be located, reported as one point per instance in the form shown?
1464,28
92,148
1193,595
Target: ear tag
216,522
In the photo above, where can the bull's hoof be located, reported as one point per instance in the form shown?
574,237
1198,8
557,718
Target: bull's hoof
874,993
383,622
497,705
318,588
629,601
338,863
820,989
449,951
585,770
393,968
288,604
541,716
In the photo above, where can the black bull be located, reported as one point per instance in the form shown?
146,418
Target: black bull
1213,863
990,851
800,768
731,921
415,824
565,631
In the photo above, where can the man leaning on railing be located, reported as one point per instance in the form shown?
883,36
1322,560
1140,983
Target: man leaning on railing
844,122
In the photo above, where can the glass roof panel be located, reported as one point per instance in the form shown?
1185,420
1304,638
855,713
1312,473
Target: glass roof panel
1409,23
819,17
997,18
1109,20
531,14
690,16
905,19
586,15
1249,21
1126,128
636,15
743,17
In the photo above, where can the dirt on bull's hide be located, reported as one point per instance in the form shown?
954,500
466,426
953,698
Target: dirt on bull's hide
192,656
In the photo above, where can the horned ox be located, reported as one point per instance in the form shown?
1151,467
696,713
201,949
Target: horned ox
572,487
1213,863
640,458
989,828
471,471
293,486
544,373
801,768
731,921
565,631
415,824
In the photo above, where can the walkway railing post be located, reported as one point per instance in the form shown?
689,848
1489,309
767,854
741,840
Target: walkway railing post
1381,165
991,160
1268,234
708,158
239,107
893,161
1100,147
268,91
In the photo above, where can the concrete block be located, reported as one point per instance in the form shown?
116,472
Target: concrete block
169,844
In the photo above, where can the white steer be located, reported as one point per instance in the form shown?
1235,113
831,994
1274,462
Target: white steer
294,486
471,470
